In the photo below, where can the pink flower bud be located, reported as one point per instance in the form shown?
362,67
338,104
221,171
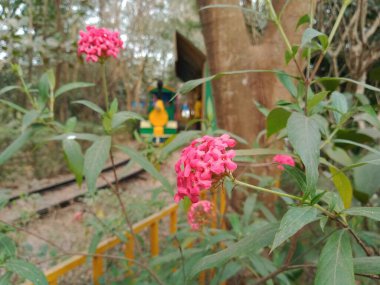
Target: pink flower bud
283,159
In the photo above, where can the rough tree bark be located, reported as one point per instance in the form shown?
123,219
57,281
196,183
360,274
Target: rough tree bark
229,48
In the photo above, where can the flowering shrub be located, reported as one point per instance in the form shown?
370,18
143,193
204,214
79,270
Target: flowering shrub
283,159
330,191
99,43
203,162
200,214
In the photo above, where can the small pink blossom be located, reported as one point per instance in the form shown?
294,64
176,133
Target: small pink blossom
200,214
98,43
203,162
283,159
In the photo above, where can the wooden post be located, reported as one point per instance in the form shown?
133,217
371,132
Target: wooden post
97,269
173,221
154,242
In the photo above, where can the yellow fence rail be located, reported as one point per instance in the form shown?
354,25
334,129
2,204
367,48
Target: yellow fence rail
152,223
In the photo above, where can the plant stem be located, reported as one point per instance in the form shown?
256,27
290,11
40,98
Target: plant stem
283,35
261,189
331,36
104,84
122,206
26,89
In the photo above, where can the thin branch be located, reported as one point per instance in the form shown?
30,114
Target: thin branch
182,259
360,242
116,192
374,26
282,269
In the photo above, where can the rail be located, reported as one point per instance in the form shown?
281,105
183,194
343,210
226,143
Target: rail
152,223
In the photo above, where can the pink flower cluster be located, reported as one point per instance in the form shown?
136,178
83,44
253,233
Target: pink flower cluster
283,159
200,214
205,160
98,43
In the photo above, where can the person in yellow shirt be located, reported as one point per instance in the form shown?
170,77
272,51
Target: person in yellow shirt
198,112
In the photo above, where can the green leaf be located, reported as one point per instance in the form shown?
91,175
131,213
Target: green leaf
261,108
369,212
339,102
338,155
70,125
74,157
15,146
9,88
305,19
366,177
316,99
107,123
7,246
367,265
43,88
370,116
310,34
343,185
249,206
242,248
147,165
294,220
14,106
26,270
29,119
121,117
335,266
90,105
304,135
351,142
298,175
286,80
179,140
289,55
51,79
6,278
325,80
230,270
114,107
95,240
277,120
95,159
71,86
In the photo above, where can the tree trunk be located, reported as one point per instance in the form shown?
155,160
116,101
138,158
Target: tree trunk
229,48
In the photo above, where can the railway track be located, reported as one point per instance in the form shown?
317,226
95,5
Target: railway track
62,193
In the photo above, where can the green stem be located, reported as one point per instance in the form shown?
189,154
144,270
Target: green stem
104,84
337,22
277,22
261,189
26,91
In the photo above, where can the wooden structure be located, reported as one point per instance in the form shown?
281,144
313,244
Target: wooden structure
151,224
190,64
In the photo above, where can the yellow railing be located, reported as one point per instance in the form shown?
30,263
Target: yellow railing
151,223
